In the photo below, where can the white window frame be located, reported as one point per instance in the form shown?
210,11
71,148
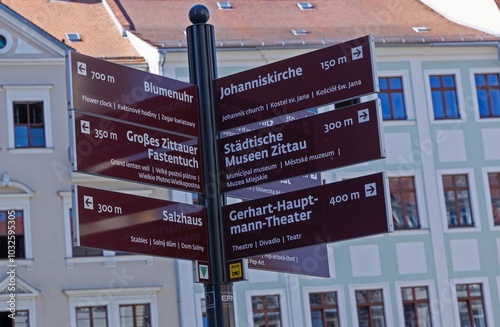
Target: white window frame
283,307
487,197
432,296
24,301
342,310
29,93
475,103
20,201
422,209
112,298
407,96
8,39
108,258
486,297
386,297
460,95
473,200
198,309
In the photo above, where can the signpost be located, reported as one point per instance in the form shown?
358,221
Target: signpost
134,153
333,139
333,212
140,127
132,95
336,73
122,222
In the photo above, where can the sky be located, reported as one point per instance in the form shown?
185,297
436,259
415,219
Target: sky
483,15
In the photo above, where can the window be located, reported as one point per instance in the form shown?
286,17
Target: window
471,305
204,313
91,316
370,307
116,306
404,203
15,206
266,311
416,306
6,219
324,309
457,200
28,124
444,97
6,41
28,118
391,98
80,251
494,182
22,319
224,5
488,94
135,315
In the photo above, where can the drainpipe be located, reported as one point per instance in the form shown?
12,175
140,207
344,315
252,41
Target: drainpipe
161,61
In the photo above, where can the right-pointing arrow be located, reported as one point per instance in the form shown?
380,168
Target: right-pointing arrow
363,116
370,189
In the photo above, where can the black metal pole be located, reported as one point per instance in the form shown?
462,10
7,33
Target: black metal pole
202,72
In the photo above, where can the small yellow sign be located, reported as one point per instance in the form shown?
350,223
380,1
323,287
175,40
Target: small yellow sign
235,270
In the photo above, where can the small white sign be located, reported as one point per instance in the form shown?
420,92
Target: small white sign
363,116
81,68
203,271
357,53
85,127
370,189
88,202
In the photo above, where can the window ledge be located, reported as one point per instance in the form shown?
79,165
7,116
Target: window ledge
454,230
405,122
28,263
31,150
449,121
486,120
108,261
407,232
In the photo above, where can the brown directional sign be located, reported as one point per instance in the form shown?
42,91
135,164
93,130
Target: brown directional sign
339,211
314,79
134,153
123,222
120,92
333,139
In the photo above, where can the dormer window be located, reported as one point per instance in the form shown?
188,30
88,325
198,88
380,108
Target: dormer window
420,29
300,32
305,5
73,37
224,5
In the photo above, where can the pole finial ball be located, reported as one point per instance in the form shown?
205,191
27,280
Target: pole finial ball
199,14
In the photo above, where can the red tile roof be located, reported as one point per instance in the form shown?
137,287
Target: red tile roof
251,23
89,18
269,22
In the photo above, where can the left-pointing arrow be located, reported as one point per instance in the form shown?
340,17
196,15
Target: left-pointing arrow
81,68
88,202
85,126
